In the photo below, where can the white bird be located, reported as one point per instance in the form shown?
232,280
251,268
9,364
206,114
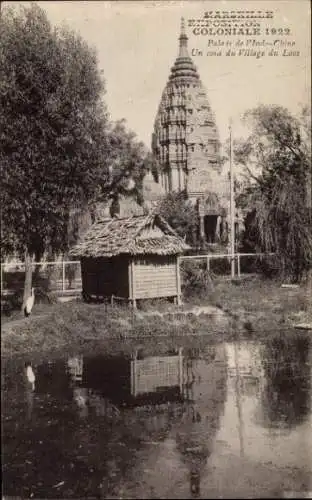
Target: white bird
30,375
29,303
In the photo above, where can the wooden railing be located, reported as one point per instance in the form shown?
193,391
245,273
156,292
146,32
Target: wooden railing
214,256
65,278
68,279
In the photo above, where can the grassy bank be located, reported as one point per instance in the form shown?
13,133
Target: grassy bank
75,325
254,308
262,305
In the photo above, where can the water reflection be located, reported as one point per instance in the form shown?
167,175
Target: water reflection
286,396
204,387
157,426
268,408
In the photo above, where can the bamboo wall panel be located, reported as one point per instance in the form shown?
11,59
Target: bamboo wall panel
155,277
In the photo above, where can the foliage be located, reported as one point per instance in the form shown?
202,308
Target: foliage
286,366
181,215
276,157
129,162
196,280
53,125
60,154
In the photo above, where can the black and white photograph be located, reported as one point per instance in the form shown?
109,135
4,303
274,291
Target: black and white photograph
156,249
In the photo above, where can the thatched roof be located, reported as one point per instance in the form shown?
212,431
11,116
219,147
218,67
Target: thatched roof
139,235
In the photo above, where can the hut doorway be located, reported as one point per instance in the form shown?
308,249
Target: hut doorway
210,225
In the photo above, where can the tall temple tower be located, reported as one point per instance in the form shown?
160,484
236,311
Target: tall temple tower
186,142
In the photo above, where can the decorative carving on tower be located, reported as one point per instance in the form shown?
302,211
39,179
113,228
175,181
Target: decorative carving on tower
185,139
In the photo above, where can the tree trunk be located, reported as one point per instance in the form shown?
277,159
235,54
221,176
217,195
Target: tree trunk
28,277
309,294
36,274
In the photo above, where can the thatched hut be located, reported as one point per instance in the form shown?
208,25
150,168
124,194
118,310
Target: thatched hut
131,258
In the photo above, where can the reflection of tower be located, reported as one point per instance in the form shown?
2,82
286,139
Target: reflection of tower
195,483
205,393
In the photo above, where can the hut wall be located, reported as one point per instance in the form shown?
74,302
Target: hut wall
155,277
120,274
97,276
105,276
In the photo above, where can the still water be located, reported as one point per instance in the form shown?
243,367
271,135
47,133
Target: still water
227,420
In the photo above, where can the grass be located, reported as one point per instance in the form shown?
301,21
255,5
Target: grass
261,304
255,308
75,325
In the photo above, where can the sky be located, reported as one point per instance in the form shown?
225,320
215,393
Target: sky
137,43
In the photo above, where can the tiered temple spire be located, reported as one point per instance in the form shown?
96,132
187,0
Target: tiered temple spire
185,138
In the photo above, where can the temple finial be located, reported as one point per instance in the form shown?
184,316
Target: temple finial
182,31
183,40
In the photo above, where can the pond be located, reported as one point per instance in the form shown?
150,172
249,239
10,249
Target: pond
224,420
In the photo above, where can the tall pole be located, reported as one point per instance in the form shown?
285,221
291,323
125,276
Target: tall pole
232,204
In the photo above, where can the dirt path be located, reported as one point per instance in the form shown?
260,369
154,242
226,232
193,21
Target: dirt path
197,310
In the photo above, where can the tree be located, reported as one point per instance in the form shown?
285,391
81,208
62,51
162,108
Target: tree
278,161
129,162
182,216
53,130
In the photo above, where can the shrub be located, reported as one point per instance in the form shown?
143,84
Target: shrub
196,280
12,302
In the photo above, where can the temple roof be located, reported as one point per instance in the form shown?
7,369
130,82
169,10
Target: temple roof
183,69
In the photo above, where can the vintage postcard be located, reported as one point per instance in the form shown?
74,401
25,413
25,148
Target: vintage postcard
156,263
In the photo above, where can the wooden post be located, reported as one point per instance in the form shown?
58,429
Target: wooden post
63,275
133,283
28,277
232,205
202,227
132,377
181,369
130,281
2,278
238,265
178,281
208,263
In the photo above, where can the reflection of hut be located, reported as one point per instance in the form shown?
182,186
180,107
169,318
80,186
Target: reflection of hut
133,382
108,386
53,378
131,258
156,373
